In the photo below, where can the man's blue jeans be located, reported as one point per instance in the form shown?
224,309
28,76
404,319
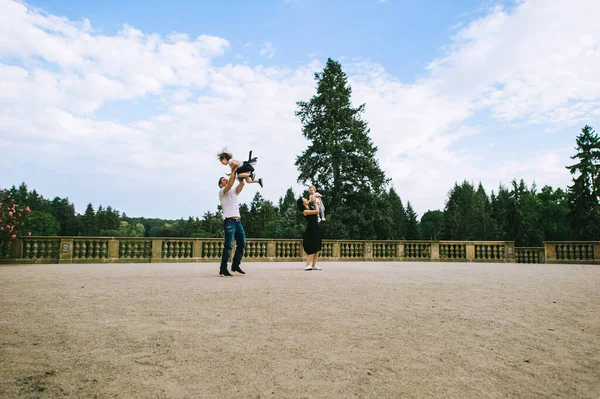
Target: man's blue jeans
233,230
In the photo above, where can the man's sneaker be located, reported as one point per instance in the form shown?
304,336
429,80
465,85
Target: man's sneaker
238,270
308,268
317,267
224,273
260,182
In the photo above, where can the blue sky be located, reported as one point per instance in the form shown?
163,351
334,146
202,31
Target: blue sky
126,103
412,31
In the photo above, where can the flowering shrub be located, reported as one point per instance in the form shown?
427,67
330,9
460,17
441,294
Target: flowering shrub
12,220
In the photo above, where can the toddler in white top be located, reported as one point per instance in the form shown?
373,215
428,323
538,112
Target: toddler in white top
316,197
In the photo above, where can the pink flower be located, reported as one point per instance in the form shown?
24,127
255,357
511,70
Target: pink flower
9,213
29,233
1,228
22,223
8,196
27,210
14,236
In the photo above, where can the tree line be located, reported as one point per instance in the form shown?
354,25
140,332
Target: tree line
341,162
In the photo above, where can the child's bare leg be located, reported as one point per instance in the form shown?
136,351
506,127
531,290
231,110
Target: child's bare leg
243,175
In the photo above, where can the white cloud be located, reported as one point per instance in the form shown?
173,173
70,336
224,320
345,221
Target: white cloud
267,50
513,65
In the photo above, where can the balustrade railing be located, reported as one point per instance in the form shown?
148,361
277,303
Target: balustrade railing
572,251
490,251
453,251
417,250
287,249
529,255
44,249
129,249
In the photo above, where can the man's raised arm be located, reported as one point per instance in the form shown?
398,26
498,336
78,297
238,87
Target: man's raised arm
230,181
240,187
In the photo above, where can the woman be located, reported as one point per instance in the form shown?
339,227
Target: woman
312,236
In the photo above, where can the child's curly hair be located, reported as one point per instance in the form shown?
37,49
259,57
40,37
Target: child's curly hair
224,154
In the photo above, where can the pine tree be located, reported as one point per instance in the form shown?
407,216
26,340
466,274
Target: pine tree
340,158
584,194
482,226
412,224
458,212
90,228
398,216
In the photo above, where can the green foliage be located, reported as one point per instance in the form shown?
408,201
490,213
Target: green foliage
584,193
459,212
42,224
412,224
130,230
432,225
554,214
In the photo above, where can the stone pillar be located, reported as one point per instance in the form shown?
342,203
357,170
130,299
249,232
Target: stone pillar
510,255
401,251
435,251
271,249
470,248
597,252
65,250
156,251
16,249
197,249
336,253
368,250
113,249
550,252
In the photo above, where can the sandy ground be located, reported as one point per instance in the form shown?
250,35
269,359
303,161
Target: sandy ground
371,330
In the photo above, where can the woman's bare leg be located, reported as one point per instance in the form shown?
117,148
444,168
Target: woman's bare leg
314,259
309,260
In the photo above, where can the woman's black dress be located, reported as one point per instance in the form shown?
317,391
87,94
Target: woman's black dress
312,236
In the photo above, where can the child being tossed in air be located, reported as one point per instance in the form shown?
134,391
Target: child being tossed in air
245,171
316,197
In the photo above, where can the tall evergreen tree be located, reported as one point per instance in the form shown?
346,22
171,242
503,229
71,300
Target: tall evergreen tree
340,158
412,224
554,214
458,213
89,226
584,193
398,216
482,226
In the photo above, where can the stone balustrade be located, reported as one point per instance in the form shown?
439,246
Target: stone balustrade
164,250
572,251
127,249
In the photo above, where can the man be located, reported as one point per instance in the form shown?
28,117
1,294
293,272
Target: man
231,223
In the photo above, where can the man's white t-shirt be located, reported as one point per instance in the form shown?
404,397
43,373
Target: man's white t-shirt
229,203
